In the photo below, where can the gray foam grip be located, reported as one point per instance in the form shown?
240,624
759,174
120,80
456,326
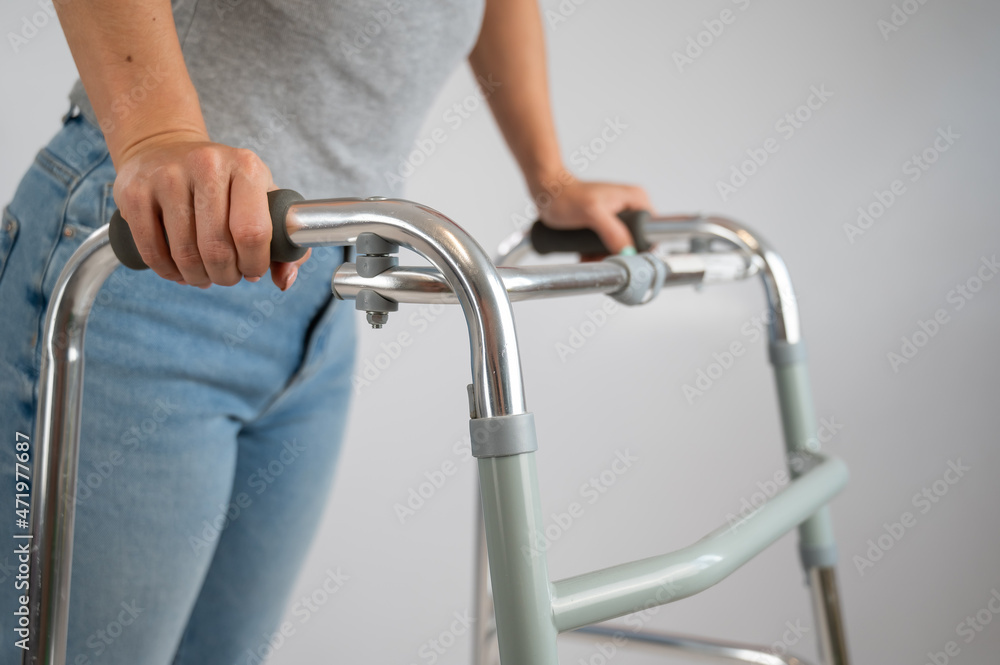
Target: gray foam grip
546,240
123,243
282,248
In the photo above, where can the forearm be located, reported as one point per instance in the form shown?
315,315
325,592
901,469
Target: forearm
131,65
511,49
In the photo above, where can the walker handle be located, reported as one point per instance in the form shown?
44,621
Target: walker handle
547,240
282,248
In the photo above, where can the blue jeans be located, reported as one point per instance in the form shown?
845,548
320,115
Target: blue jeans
212,421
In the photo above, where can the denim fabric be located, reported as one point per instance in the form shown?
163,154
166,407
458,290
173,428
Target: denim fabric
212,421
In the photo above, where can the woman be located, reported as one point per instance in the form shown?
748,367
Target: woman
207,446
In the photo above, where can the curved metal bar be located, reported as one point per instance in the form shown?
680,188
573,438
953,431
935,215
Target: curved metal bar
496,370
496,364
57,448
777,283
744,653
426,285
611,592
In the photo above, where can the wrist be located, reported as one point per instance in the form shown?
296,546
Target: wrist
548,182
153,137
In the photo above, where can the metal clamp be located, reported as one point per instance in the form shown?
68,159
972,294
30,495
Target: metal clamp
375,256
646,275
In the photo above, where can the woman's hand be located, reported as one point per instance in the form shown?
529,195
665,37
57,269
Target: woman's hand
210,203
575,204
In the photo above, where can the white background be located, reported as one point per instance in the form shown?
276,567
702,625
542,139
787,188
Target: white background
623,389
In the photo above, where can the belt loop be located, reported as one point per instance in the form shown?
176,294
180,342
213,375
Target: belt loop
73,112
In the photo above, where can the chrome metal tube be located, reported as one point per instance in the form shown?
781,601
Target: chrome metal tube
777,284
496,370
57,448
618,590
427,285
743,653
496,365
830,623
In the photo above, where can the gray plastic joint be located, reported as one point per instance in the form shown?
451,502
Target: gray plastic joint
786,353
646,275
370,266
500,436
818,556
370,301
371,243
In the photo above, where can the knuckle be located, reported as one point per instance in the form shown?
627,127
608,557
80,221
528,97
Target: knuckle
216,252
250,165
204,159
251,236
132,198
185,255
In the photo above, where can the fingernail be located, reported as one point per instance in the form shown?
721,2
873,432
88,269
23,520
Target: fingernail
291,279
253,279
182,282
628,251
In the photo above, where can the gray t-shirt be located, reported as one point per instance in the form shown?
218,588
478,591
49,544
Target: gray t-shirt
329,93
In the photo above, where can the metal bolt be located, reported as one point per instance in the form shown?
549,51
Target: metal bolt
378,319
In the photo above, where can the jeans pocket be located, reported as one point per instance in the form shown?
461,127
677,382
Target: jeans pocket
8,234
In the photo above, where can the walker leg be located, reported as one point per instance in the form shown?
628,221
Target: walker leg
522,600
829,622
484,646
817,546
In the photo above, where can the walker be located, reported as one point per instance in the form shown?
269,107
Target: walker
530,608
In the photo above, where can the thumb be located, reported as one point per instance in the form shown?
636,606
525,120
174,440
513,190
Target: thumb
612,232
284,274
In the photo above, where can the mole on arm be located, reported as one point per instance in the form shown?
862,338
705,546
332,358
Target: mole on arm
128,58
